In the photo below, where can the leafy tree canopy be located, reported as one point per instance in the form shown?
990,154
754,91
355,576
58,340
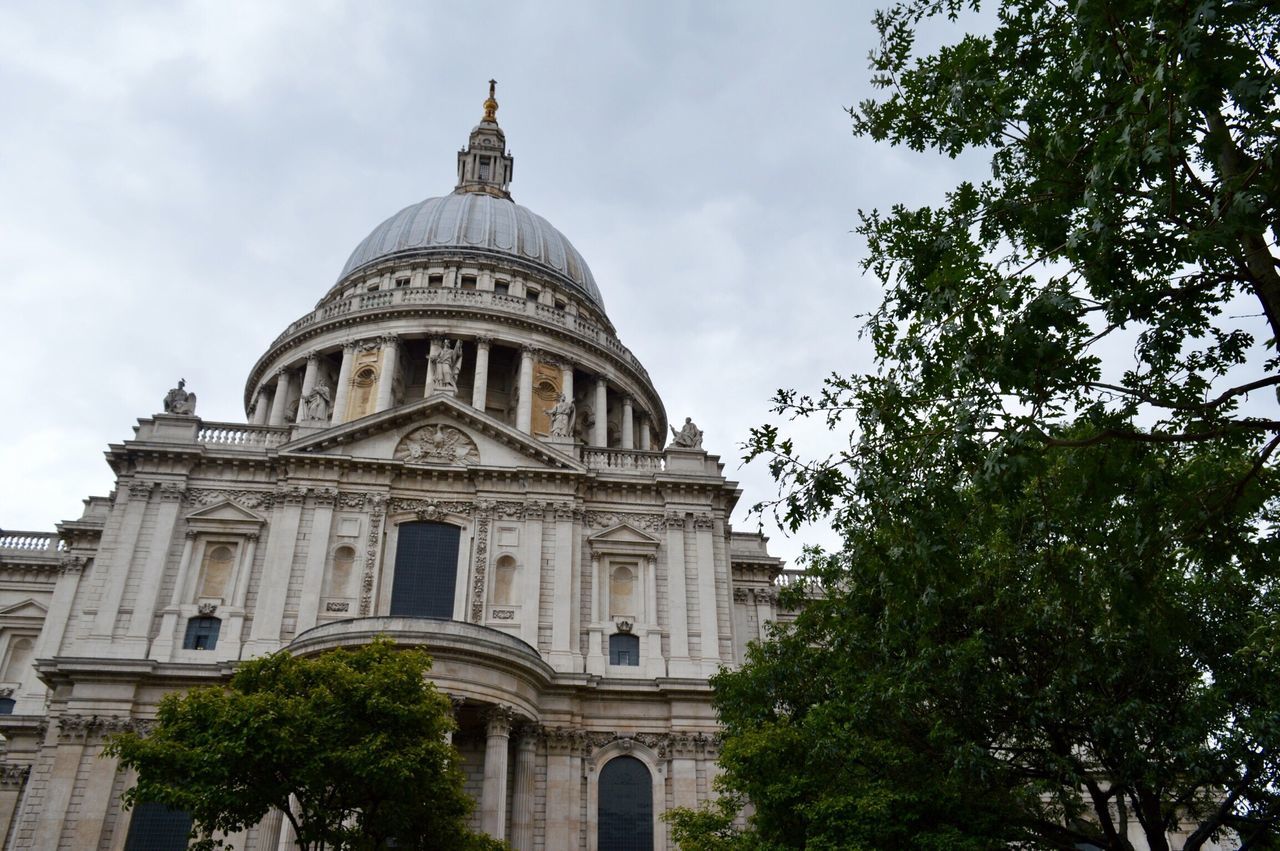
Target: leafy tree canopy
350,745
1052,622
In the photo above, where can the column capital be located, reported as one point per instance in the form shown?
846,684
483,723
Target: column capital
349,347
279,371
528,350
498,720
388,340
313,357
484,340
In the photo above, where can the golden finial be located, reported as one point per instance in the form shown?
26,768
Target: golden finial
491,105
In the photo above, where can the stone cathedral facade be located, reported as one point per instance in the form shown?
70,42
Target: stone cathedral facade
452,449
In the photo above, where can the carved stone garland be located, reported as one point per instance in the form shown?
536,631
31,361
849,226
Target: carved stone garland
482,564
377,507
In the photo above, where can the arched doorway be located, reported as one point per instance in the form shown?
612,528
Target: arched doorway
625,809
426,570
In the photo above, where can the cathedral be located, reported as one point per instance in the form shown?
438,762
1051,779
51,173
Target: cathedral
452,449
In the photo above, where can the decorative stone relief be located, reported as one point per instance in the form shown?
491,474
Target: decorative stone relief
377,504
438,444
82,727
503,614
431,509
243,498
482,567
607,519
337,606
14,776
72,564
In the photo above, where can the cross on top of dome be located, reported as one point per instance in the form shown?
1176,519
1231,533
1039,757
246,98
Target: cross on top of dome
484,166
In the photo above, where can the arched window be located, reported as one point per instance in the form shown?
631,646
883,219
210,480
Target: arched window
624,649
155,827
217,571
202,633
504,581
625,812
20,651
426,571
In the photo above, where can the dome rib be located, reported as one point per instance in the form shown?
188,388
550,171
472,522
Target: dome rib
483,223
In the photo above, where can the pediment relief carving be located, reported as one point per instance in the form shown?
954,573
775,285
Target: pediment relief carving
624,539
225,512
437,444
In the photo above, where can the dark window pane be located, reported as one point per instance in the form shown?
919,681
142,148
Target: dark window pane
202,634
155,827
626,806
426,570
624,649
6,705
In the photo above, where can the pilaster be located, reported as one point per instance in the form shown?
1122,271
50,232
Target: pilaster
273,587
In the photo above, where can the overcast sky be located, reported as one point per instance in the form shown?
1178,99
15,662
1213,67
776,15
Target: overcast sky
180,181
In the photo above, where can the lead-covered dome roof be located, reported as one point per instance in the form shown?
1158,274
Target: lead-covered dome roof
479,223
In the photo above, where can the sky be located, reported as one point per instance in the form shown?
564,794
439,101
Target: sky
180,181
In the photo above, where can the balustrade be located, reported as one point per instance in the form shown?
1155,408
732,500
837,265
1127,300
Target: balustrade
623,460
31,542
232,434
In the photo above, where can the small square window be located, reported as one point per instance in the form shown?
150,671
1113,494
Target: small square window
435,280
468,282
531,294
372,288
402,282
202,633
501,287
624,649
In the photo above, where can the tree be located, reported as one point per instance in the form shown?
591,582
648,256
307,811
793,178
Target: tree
350,745
1053,616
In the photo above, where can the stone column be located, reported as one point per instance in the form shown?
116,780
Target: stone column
282,538
434,350
119,561
564,790
308,384
269,829
677,599
493,794
261,407
343,391
387,377
566,378
281,399
628,424
645,436
705,565
480,384
524,412
317,555
144,606
455,712
522,803
600,431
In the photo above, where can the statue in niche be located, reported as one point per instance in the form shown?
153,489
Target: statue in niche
317,404
179,401
688,437
562,416
446,364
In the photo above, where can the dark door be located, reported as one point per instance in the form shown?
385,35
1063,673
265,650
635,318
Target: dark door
426,570
626,806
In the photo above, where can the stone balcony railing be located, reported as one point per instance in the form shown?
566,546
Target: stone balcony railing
624,460
30,543
408,297
241,436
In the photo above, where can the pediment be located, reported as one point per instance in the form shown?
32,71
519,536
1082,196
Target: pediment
623,538
439,432
28,608
225,512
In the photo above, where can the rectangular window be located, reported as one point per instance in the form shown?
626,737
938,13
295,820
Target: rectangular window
501,287
532,294
484,168
426,570
402,282
202,633
435,280
468,282
155,827
624,649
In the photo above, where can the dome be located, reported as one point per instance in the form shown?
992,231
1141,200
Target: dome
480,224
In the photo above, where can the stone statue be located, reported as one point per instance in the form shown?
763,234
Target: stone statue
562,417
688,437
447,364
179,401
317,404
